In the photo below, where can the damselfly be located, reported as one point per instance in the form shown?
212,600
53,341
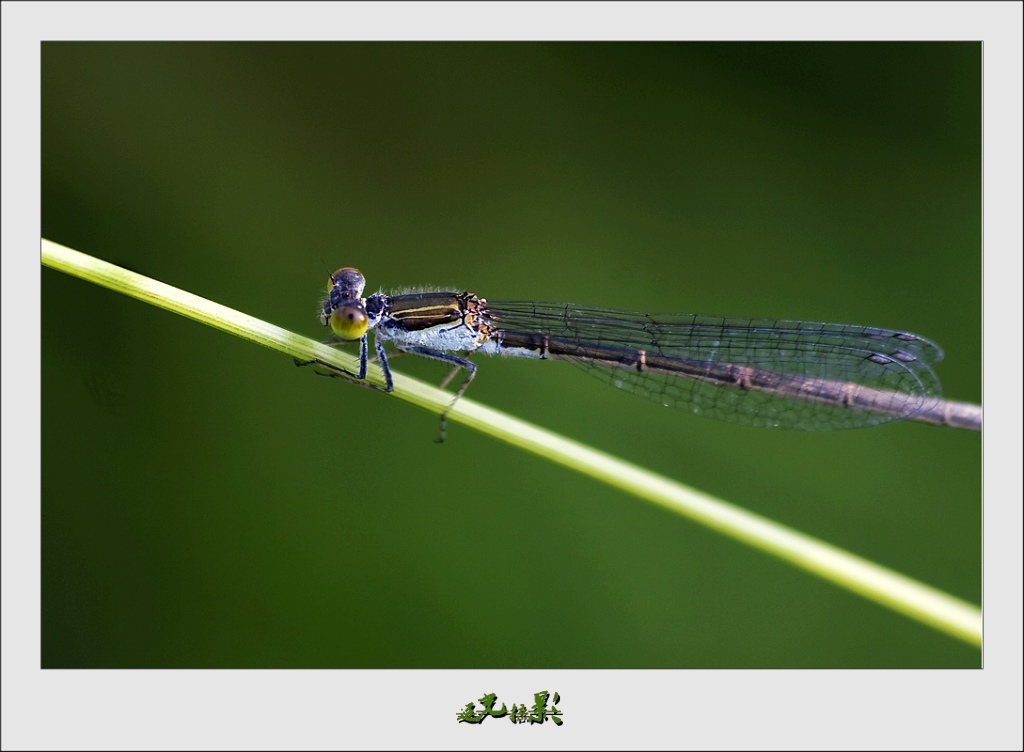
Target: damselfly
758,372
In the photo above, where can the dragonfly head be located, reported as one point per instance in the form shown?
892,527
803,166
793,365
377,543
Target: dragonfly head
344,309
348,283
348,321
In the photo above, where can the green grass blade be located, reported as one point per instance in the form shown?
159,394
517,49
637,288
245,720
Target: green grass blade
902,594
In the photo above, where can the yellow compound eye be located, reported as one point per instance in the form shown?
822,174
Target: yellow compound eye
349,321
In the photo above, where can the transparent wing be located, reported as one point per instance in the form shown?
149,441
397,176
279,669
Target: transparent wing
759,372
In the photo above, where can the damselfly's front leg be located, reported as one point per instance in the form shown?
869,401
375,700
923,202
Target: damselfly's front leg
336,372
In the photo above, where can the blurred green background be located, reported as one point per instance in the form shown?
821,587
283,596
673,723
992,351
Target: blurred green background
207,504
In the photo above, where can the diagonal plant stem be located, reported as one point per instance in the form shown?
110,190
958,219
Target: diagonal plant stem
902,594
